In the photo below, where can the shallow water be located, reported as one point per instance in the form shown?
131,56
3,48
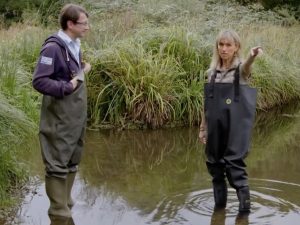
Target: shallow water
159,177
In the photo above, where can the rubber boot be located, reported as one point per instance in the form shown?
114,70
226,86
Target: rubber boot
70,182
244,198
220,194
56,189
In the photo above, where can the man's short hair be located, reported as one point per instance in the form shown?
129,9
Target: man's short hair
70,12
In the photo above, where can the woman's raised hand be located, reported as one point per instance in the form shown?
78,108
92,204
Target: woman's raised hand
256,51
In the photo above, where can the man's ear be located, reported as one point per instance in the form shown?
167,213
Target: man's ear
70,24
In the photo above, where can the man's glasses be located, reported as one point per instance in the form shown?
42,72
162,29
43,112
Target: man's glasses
83,23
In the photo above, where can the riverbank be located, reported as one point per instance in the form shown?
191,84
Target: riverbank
149,59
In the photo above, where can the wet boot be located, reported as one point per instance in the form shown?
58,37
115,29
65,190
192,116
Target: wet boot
220,194
56,189
70,182
244,198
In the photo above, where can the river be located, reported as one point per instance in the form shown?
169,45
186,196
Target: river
159,177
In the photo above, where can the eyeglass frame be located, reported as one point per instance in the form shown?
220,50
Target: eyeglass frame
83,23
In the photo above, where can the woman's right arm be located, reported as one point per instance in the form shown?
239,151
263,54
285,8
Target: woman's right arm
250,59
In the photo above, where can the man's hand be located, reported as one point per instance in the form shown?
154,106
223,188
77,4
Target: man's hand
74,82
86,67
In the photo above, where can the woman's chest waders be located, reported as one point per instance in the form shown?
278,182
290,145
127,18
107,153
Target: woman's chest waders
229,112
62,128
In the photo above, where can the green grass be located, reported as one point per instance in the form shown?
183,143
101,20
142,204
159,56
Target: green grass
150,81
18,107
149,58
156,78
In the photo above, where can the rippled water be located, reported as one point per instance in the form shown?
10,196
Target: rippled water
159,177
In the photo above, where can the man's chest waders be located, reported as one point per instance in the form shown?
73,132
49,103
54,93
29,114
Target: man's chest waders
62,128
229,112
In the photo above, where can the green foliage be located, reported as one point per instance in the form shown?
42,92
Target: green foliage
15,129
49,11
18,106
149,80
276,72
11,10
269,4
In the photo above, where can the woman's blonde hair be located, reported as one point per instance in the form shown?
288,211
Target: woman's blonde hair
224,34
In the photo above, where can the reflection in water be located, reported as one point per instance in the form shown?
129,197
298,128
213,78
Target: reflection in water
160,178
57,220
219,216
242,219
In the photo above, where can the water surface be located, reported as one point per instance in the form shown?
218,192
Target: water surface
159,177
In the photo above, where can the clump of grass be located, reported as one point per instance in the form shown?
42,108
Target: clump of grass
156,78
16,131
18,105
276,72
148,80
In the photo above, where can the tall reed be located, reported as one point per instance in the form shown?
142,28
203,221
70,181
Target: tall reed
156,78
149,80
18,105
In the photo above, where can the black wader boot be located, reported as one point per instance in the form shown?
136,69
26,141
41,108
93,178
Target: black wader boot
220,194
244,198
217,171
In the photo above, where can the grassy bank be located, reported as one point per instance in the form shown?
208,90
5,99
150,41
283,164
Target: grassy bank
149,59
18,107
149,67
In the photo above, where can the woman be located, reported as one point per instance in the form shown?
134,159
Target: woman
229,111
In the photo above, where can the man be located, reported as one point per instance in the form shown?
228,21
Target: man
59,76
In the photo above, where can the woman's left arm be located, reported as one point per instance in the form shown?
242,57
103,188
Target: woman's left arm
246,67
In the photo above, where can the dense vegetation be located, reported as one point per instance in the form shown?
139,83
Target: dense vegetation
149,60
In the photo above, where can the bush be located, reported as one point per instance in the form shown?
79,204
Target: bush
152,80
270,4
12,10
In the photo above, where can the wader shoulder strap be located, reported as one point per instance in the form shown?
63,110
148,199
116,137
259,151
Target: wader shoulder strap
236,84
212,84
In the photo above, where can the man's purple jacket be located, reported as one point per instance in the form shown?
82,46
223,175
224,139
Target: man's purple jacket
55,68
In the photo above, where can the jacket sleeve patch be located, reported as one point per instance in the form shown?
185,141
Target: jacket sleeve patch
46,60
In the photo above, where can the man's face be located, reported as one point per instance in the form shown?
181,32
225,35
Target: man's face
80,27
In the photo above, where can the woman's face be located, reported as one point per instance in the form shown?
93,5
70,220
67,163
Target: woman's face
227,49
